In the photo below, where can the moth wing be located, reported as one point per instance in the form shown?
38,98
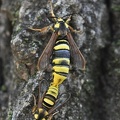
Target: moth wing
44,59
76,56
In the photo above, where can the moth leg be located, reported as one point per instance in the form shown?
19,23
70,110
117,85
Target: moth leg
75,31
35,105
68,20
42,30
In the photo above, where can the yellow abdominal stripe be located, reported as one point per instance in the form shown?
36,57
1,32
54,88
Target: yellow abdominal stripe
61,60
61,69
61,46
58,79
62,40
53,91
49,101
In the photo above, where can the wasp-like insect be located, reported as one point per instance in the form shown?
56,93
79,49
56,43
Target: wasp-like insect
63,48
44,111
61,61
61,30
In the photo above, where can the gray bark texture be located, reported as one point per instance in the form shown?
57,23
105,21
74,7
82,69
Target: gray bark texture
95,94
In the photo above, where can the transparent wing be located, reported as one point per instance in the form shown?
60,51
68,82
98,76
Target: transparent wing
44,59
42,90
76,56
61,101
43,86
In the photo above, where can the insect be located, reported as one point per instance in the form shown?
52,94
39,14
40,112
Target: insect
60,63
61,30
63,48
44,111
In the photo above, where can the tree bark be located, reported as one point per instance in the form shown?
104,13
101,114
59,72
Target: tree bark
95,94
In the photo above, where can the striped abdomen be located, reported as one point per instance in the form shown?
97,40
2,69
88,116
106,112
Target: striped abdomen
50,97
61,61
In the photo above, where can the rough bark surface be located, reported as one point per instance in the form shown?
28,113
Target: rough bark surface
95,93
